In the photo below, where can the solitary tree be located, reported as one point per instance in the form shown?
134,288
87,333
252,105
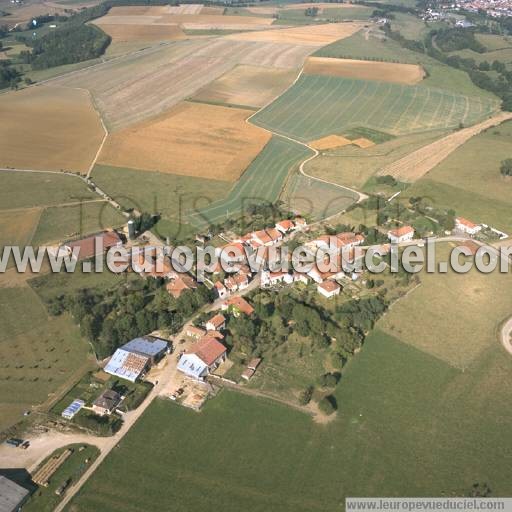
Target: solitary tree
506,167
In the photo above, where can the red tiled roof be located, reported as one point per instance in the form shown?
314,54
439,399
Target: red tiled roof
217,320
274,234
401,231
329,286
179,284
215,334
209,350
241,304
286,224
263,236
88,245
466,222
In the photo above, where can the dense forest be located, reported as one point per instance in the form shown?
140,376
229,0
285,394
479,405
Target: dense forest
66,46
453,39
9,77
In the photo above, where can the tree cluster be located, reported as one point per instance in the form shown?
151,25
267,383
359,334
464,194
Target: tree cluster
110,318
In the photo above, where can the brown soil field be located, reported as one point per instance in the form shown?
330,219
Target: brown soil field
127,33
416,164
365,70
363,143
193,139
48,128
212,10
254,86
314,35
143,85
330,142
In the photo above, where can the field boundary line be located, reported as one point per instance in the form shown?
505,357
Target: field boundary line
361,196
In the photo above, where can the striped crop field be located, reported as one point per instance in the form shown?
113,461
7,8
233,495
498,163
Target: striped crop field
262,181
317,106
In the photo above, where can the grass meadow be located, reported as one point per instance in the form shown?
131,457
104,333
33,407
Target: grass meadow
41,356
466,310
169,194
332,104
58,223
469,180
31,190
408,424
38,355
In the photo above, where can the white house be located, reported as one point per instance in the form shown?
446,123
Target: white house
466,226
285,226
221,290
401,234
273,278
329,289
208,354
216,323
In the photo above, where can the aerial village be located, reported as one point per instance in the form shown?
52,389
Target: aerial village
194,362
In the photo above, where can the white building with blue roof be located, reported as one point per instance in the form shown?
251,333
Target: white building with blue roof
134,358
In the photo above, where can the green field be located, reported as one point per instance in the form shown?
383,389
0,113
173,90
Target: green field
262,181
382,49
314,199
38,355
466,308
352,166
29,190
65,222
408,425
330,105
470,182
171,195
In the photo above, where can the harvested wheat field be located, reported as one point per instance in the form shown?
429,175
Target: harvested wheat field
314,35
128,33
254,86
138,86
186,9
330,142
363,143
48,128
321,5
193,139
264,11
408,74
420,162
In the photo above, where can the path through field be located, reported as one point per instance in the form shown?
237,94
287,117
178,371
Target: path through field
415,165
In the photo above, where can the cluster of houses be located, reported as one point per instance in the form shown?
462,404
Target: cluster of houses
208,352
253,241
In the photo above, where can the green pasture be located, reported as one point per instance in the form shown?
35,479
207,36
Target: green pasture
64,222
29,190
331,105
408,425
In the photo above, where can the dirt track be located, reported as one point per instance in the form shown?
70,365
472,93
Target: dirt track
415,165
